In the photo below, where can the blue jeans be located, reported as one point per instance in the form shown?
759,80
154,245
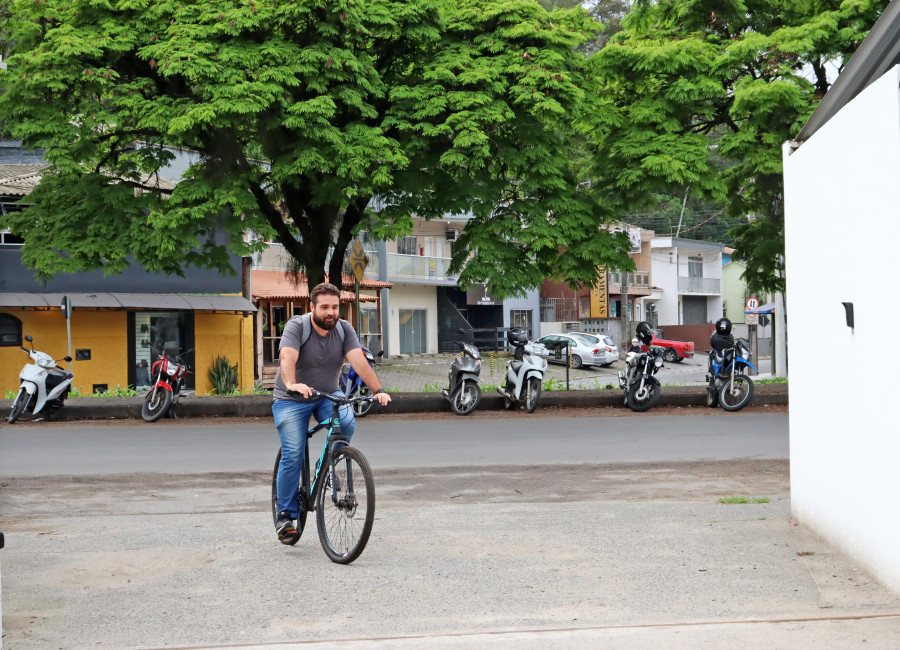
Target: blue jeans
292,421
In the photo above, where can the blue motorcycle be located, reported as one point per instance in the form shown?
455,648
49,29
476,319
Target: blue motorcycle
728,385
353,386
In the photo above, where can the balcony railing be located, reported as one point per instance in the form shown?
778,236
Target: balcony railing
418,266
699,285
636,280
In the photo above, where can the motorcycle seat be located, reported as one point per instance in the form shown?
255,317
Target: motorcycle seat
515,365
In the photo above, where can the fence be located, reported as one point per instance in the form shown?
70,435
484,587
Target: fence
558,309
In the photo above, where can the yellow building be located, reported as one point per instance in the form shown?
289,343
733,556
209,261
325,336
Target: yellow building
111,335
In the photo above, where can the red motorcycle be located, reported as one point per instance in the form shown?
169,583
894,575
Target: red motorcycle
167,377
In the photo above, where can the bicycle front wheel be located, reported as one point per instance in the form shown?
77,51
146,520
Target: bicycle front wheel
346,507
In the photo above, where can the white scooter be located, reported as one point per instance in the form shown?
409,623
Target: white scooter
42,384
524,374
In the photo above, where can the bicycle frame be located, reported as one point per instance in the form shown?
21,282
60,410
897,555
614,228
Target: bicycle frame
334,440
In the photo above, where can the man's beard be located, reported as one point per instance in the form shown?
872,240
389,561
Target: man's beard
325,324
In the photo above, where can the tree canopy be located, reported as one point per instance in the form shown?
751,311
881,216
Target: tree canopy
703,93
311,119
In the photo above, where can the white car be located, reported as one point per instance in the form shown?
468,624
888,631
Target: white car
585,349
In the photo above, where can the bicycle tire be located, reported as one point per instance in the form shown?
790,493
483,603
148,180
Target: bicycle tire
301,520
343,529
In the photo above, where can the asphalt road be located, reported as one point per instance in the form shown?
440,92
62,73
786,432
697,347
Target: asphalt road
396,441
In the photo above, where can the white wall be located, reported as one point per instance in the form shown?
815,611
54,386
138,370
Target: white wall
842,212
412,296
664,274
532,301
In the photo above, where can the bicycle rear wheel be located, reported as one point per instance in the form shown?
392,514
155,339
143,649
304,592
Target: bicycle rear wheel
346,510
301,520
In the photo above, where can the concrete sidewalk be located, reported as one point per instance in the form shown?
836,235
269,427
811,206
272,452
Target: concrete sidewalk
515,559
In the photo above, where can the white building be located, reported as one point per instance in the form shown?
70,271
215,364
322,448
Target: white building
841,203
687,276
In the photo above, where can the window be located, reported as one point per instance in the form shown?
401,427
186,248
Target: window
521,318
407,246
695,267
10,330
584,307
413,331
7,237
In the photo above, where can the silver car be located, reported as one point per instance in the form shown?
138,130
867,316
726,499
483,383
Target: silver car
585,349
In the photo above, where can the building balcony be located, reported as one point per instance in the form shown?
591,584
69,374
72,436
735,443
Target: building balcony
419,268
705,286
637,283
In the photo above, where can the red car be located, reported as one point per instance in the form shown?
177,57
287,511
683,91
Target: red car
674,350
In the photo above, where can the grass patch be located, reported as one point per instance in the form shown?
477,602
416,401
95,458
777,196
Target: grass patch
730,500
772,380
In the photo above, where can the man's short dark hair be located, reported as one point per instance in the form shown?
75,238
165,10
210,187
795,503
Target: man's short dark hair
323,288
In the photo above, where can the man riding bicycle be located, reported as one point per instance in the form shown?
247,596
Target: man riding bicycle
311,355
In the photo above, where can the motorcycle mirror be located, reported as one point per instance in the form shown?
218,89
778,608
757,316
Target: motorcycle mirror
380,354
28,338
67,358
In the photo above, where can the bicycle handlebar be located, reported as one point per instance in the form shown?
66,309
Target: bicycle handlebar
337,400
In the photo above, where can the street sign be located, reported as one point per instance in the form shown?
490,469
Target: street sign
750,319
358,260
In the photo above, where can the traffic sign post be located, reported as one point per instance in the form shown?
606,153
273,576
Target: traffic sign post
358,262
752,303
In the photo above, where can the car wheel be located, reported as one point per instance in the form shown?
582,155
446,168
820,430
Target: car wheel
670,356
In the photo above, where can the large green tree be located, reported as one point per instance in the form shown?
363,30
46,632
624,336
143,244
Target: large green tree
310,119
704,93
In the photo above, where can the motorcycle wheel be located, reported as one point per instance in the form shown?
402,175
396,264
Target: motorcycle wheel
712,395
18,406
465,398
156,404
743,393
649,401
532,394
361,409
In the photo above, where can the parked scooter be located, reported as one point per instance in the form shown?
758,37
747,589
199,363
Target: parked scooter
167,376
728,385
42,384
524,373
464,391
353,386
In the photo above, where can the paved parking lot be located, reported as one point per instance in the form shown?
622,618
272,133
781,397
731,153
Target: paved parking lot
428,372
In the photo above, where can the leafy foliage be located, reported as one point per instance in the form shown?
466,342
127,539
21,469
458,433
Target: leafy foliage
223,376
704,93
430,107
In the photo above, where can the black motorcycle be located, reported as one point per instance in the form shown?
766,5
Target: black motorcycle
641,388
464,391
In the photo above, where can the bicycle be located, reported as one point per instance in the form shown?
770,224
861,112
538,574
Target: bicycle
345,520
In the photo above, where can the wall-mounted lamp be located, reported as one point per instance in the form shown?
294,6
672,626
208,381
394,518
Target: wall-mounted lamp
848,309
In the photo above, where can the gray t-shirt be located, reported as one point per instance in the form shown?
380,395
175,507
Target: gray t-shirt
321,357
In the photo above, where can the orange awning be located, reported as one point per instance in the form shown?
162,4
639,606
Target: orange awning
277,284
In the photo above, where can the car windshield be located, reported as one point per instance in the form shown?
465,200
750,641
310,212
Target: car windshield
608,341
586,338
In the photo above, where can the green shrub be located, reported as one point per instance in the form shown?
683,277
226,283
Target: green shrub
223,376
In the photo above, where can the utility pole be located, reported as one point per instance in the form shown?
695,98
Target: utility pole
624,344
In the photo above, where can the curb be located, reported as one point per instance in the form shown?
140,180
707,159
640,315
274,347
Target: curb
261,405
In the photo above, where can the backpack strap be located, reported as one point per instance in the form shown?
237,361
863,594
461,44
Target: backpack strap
306,327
